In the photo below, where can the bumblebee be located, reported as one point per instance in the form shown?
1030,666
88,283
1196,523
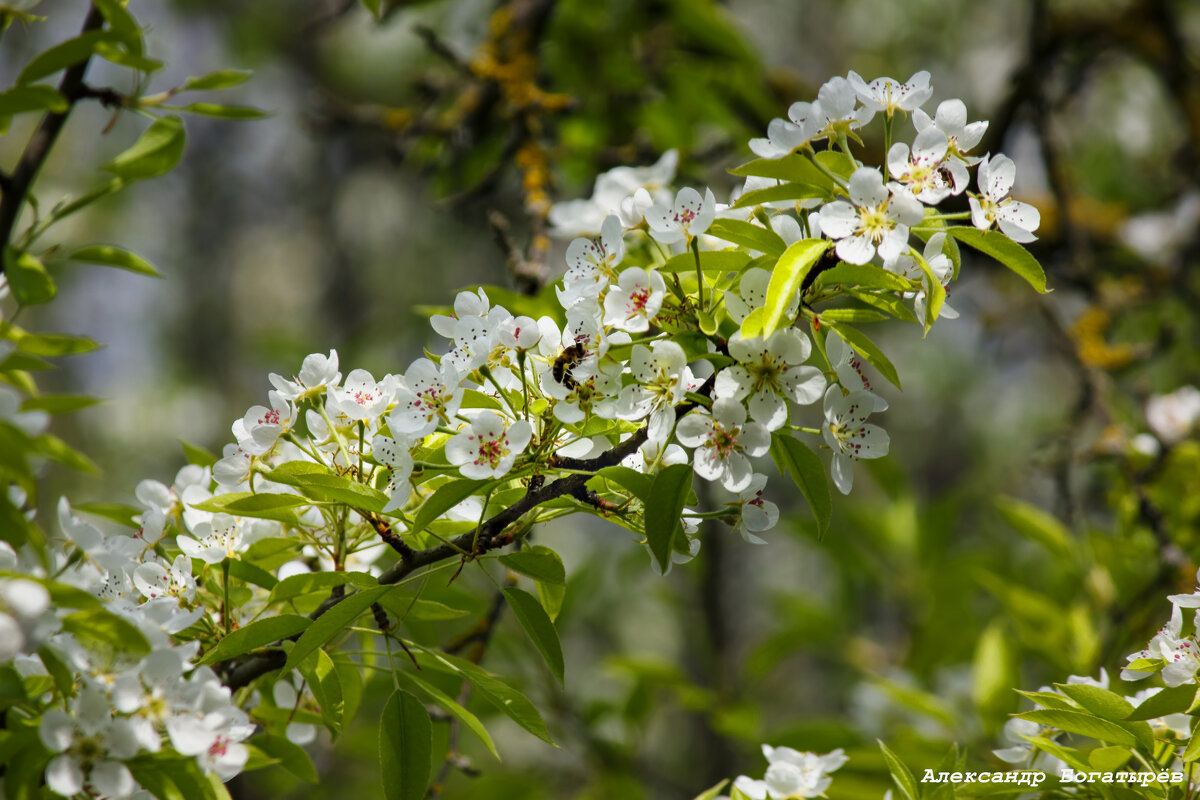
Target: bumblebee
567,359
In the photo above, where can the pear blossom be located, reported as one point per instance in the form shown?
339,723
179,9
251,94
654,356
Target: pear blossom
261,427
769,374
428,396
662,379
519,333
635,300
609,194
724,443
792,774
848,366
1181,656
689,217
940,265
360,398
214,738
651,457
213,541
488,446
889,96
922,169
837,105
316,373
577,399
1015,219
874,219
757,514
951,119
90,745
154,579
592,263
31,423
752,294
1173,416
849,435
394,454
785,137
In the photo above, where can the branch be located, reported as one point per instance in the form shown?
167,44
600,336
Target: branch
488,536
40,144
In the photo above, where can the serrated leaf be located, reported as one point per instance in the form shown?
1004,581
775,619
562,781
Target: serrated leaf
444,498
901,774
260,633
1004,250
297,585
1082,723
331,623
260,506
109,255
795,168
321,484
155,153
1101,702
664,510
31,285
638,483
866,276
710,261
221,79
537,625
794,458
538,562
868,350
500,694
23,99
251,573
786,279
292,757
1172,700
755,237
323,681
781,193
405,747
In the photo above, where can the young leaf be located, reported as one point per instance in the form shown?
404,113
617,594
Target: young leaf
664,509
794,457
1172,700
865,276
31,285
786,280
405,747
251,573
1004,250
533,619
22,99
538,562
1083,724
796,168
112,256
867,349
155,153
261,506
195,454
637,483
259,633
221,79
784,191
105,627
226,112
52,345
710,261
329,624
63,55
1036,525
444,498
58,403
900,774
712,793
754,237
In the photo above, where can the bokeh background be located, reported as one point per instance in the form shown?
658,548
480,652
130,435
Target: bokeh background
1026,526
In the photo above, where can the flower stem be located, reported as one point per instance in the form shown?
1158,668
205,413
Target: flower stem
225,615
699,273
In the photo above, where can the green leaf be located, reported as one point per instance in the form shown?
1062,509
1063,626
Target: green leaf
58,403
664,510
1192,751
250,573
537,624
105,627
856,315
782,192
500,694
795,458
1082,723
331,623
52,345
712,793
372,6
710,261
31,285
64,677
992,670
155,153
260,506
119,513
865,276
325,684
748,235
538,562
1101,702
867,349
221,79
260,633
637,483
57,450
444,498
116,55
452,707
225,112
23,99
419,608
109,255
1172,700
796,168
63,55
1109,759
405,747
1004,250
320,483
900,774
297,585
1037,526
292,757
786,279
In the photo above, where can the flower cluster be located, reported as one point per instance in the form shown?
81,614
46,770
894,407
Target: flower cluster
672,345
